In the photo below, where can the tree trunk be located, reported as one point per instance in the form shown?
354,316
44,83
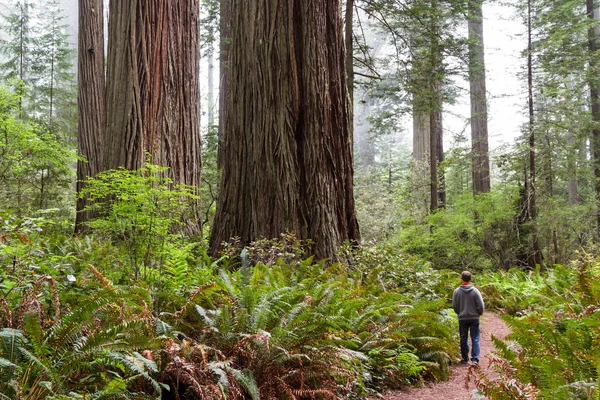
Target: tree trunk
153,91
433,162
287,155
438,129
211,86
350,64
573,189
225,37
536,256
421,149
479,126
91,98
594,84
438,191
421,139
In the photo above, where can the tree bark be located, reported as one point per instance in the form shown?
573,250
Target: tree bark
594,84
153,90
287,155
225,37
479,124
438,191
350,63
91,98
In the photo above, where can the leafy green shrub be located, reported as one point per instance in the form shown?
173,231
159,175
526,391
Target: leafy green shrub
468,234
35,163
140,212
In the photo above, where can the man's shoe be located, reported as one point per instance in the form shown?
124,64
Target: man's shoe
475,362
463,362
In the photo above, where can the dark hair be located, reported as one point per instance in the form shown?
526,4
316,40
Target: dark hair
466,276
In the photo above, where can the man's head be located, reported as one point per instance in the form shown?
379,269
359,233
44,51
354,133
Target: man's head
466,276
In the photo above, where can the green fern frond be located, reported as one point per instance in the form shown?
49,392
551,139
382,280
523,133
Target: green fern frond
247,381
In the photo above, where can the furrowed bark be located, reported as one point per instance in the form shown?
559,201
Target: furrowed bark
287,154
91,99
153,89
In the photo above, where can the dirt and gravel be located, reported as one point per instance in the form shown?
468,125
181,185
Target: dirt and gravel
455,388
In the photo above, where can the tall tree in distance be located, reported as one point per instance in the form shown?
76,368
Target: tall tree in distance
436,102
479,124
287,155
16,68
91,98
594,83
536,254
54,84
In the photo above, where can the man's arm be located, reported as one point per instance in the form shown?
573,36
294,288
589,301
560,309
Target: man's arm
455,302
479,302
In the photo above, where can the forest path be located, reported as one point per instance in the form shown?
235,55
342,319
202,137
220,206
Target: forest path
454,389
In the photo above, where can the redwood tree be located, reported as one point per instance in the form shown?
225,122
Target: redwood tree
479,124
287,154
91,98
152,90
594,83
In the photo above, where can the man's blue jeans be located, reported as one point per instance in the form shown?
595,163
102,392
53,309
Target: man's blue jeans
464,326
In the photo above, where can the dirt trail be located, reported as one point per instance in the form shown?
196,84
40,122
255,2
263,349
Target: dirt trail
455,389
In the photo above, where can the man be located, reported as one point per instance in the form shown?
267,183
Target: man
468,305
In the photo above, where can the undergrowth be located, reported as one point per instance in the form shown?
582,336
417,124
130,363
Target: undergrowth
554,349
77,324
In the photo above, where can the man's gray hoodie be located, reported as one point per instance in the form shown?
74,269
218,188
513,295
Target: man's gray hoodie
467,302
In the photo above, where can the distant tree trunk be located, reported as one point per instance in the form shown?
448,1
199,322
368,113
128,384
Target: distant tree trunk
153,91
536,256
421,115
479,125
225,37
594,84
91,98
436,145
438,129
211,86
287,155
434,137
421,135
573,189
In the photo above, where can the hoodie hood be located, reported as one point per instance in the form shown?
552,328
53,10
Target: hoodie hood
467,289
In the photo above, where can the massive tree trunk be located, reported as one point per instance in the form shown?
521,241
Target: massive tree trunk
91,97
287,155
594,84
153,92
479,124
224,37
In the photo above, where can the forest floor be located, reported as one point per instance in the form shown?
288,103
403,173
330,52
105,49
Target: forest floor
456,388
